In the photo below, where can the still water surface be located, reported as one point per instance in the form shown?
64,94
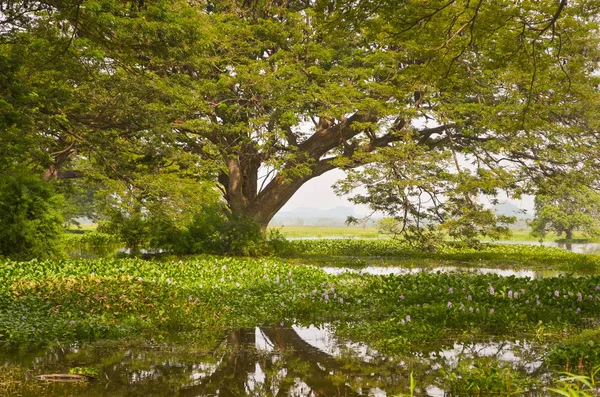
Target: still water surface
265,361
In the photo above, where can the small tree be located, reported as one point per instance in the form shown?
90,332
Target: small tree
564,204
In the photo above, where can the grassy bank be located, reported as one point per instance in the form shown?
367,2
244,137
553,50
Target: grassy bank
489,255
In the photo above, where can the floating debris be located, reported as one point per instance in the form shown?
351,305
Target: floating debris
65,378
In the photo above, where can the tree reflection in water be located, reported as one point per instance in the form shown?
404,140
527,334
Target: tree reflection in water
266,361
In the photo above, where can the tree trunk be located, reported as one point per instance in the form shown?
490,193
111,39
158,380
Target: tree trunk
569,235
245,200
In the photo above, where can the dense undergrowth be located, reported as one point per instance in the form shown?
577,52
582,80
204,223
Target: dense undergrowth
44,302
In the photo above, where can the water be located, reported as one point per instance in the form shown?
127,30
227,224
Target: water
579,248
265,361
399,270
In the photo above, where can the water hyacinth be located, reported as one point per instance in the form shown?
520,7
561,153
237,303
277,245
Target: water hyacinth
510,294
515,295
470,298
491,290
556,293
579,297
450,290
449,304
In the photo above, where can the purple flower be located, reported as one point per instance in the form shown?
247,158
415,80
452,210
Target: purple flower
477,310
578,310
402,321
314,291
522,291
462,307
537,301
470,298
450,290
527,302
491,290
224,267
510,294
408,318
579,297
556,293
570,293
471,309
515,295
597,287
449,304
401,297
491,311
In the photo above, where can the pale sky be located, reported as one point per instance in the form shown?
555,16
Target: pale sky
318,193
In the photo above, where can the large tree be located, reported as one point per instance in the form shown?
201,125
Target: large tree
270,95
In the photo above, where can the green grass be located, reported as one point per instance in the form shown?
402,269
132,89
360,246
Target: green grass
518,235
327,231
83,227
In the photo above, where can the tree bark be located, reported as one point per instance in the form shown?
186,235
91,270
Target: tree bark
569,235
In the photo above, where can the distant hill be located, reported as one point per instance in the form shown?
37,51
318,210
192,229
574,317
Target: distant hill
310,216
508,209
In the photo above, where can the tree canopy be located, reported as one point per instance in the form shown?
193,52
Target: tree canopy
262,97
565,203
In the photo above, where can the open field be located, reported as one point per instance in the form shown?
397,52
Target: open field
372,232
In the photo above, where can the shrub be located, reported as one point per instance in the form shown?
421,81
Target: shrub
30,217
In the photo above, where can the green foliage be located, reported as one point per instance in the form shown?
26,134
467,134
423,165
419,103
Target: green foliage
423,199
96,239
573,385
580,349
566,203
225,89
484,379
30,217
491,254
157,211
218,231
43,301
